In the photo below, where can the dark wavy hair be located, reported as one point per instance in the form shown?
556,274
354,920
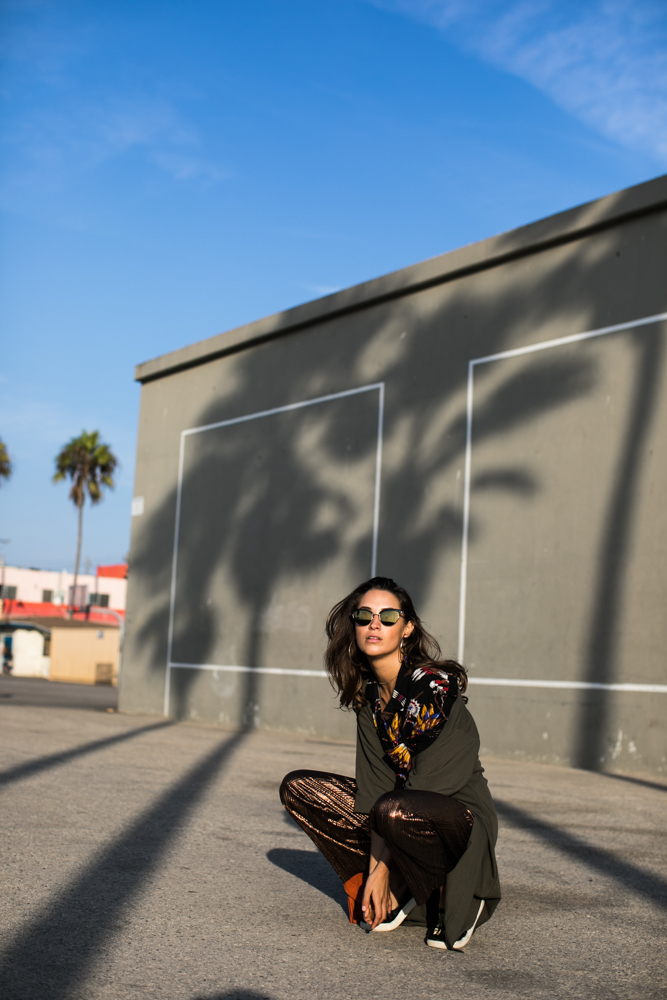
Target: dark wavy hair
348,668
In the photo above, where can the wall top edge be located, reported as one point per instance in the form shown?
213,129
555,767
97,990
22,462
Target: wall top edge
642,199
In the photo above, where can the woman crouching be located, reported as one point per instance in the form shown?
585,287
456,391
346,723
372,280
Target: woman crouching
416,825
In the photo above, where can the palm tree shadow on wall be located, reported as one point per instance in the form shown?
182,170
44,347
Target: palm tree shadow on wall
418,522
249,517
613,560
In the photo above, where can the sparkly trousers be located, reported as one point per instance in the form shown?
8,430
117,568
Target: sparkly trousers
425,832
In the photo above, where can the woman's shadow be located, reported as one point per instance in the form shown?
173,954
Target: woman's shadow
310,867
237,995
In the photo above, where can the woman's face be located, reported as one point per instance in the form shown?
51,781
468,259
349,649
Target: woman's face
377,639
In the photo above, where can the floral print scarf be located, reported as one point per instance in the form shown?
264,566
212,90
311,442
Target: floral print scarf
415,714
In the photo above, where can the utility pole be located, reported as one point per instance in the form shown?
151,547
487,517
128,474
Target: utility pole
3,541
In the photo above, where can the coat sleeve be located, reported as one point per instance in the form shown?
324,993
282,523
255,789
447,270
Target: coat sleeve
374,774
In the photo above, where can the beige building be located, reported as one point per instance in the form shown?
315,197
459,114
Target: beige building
84,652
78,652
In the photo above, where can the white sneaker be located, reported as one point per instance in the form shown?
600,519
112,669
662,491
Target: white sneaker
393,919
436,937
462,941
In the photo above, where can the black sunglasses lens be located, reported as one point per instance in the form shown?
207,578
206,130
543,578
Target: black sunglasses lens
389,616
362,617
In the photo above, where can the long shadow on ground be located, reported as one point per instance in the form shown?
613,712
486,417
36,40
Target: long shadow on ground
630,876
657,785
235,995
312,868
53,760
52,956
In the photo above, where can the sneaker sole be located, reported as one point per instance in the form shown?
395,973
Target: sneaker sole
462,941
396,922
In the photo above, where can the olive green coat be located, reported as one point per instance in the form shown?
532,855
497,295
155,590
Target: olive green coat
450,765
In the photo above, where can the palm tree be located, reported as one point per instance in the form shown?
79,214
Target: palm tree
5,462
90,464
5,473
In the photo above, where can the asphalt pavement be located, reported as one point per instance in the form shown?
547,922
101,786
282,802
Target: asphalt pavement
36,691
144,859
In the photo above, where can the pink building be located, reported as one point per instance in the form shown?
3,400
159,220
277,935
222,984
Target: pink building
49,592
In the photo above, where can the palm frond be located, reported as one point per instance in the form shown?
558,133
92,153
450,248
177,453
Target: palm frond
89,463
5,462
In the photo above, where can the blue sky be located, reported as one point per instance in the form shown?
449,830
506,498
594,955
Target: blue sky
173,169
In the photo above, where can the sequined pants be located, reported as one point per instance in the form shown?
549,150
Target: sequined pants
425,832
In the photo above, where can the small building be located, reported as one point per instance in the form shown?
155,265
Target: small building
63,649
27,648
31,591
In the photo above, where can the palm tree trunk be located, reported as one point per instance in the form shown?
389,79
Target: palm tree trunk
78,558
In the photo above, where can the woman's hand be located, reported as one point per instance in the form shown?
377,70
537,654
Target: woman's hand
376,902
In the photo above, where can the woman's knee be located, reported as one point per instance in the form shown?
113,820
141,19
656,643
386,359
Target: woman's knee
386,812
293,786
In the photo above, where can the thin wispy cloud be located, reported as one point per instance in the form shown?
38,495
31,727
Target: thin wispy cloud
604,62
68,133
75,140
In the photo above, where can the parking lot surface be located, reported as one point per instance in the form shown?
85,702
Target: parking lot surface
145,859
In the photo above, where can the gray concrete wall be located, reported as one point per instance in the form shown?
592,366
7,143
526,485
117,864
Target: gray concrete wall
238,557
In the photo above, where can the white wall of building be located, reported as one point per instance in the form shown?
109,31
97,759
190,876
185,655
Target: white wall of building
28,653
31,583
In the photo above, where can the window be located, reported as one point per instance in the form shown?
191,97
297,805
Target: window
8,592
100,600
80,598
47,596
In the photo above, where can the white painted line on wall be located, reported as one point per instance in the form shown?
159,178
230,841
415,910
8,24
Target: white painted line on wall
174,566
573,338
251,670
239,420
501,356
285,409
497,681
466,516
378,476
571,685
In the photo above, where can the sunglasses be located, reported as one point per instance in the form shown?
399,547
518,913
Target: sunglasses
388,616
